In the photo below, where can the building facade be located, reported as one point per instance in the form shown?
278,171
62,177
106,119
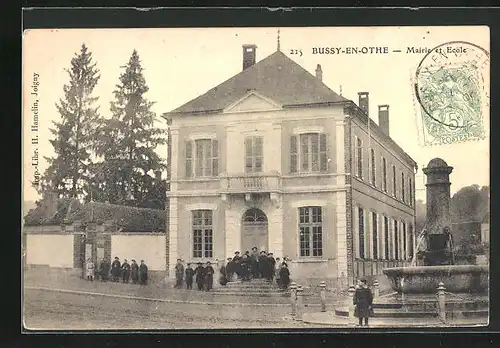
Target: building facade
273,158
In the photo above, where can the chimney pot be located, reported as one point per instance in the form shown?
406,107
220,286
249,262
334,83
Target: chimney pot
319,72
364,102
249,55
383,118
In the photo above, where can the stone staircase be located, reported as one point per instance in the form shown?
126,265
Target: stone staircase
254,287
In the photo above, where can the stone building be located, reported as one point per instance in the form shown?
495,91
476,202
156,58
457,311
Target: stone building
274,158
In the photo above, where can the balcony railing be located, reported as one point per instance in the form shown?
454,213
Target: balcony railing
251,182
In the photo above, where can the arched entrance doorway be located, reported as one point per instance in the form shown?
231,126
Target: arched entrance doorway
254,230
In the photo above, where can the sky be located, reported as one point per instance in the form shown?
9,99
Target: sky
181,64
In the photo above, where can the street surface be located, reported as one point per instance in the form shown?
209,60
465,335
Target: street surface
66,311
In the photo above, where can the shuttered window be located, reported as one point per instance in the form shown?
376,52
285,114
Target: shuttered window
254,154
309,153
202,158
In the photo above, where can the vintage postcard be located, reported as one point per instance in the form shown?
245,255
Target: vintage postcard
256,178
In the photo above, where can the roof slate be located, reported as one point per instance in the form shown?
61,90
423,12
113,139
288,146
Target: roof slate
276,77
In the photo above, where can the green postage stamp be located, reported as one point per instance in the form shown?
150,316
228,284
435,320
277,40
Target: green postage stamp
452,89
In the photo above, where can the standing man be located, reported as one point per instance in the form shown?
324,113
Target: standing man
125,271
237,263
263,265
189,277
104,270
199,271
134,272
115,270
255,262
143,273
179,274
271,266
209,276
363,300
229,269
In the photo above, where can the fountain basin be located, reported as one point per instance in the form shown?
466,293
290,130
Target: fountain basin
425,279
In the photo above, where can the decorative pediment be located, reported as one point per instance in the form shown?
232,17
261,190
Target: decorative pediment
251,102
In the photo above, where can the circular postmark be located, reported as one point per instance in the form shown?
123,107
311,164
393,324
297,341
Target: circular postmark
452,89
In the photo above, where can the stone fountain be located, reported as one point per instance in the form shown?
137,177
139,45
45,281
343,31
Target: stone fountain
433,260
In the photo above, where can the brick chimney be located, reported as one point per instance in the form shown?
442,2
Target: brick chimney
383,118
363,102
319,72
249,54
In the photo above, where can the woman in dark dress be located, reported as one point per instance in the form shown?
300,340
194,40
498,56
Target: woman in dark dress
363,300
104,270
284,275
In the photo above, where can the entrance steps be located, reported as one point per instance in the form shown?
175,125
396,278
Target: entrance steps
255,287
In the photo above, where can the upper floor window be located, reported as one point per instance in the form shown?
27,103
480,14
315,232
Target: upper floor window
372,167
254,154
384,174
311,231
308,153
358,154
394,182
403,187
202,158
202,233
410,192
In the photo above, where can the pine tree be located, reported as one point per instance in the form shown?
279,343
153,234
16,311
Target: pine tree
73,134
127,142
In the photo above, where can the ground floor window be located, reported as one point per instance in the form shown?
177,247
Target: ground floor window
202,233
311,231
361,232
386,237
403,226
374,235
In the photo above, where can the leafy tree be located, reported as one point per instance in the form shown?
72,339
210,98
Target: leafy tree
73,134
126,144
470,203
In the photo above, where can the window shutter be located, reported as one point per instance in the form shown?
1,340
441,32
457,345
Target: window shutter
293,154
248,155
323,152
215,157
189,159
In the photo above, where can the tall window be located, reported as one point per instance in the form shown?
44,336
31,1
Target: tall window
396,240
403,227
403,187
410,192
386,237
361,234
374,235
372,167
254,154
410,241
384,174
311,231
308,153
202,158
359,158
394,182
202,233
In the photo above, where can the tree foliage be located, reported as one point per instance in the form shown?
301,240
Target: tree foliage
73,134
470,203
125,145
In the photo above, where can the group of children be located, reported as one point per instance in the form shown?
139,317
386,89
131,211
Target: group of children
117,270
246,267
